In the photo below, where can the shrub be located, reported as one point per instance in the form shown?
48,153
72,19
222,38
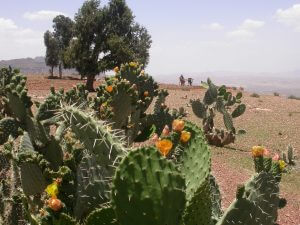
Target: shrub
294,97
255,95
276,94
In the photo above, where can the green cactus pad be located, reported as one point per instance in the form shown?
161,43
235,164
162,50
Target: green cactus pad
196,165
211,94
199,108
97,138
258,205
122,104
8,126
53,153
228,121
92,189
32,179
102,216
216,199
65,219
239,111
147,190
37,132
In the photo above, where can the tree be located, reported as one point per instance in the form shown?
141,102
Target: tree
84,50
127,40
63,32
105,37
52,51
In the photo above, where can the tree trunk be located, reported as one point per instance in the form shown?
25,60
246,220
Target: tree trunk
90,83
51,71
60,70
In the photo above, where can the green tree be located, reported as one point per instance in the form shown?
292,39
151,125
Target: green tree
126,39
63,32
105,37
52,51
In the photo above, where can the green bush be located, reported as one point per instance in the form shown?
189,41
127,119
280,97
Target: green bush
255,95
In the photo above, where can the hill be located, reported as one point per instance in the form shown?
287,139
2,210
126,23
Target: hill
31,66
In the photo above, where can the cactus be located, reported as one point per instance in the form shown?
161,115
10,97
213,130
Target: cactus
147,189
218,100
288,156
83,172
8,126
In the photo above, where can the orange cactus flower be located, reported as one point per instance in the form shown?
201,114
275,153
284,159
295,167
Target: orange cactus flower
185,136
55,204
146,93
178,125
109,88
164,146
258,151
116,69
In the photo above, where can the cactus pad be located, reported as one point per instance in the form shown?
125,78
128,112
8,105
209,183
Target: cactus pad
147,190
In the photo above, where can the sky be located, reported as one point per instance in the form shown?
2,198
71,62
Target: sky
188,36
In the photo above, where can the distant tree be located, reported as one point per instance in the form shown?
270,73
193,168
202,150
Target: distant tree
105,37
63,32
52,50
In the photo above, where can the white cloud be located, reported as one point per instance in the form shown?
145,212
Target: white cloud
16,42
42,15
249,24
241,34
7,24
290,16
246,30
213,26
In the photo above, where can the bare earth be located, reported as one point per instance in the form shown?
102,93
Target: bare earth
273,122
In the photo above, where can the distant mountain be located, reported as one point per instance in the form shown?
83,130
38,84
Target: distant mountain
31,66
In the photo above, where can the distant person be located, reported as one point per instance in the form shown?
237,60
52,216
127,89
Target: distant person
181,80
190,81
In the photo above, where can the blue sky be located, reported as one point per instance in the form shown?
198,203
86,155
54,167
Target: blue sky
188,36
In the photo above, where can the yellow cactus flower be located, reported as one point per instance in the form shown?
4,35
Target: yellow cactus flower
133,64
109,88
185,136
52,189
282,164
142,72
178,125
116,69
164,146
258,151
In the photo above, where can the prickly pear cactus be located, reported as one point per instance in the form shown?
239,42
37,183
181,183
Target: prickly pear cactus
218,100
147,189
